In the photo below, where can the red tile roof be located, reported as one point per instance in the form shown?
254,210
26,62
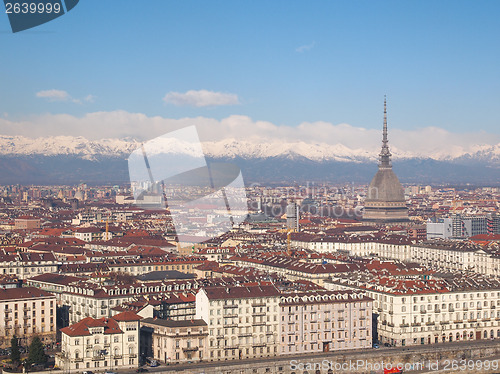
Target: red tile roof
82,328
127,316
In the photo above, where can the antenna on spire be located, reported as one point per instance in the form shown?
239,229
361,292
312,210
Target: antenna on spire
385,154
384,135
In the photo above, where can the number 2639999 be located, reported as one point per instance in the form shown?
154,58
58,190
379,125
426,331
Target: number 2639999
32,8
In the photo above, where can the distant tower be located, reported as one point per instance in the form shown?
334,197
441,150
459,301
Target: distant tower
292,217
385,200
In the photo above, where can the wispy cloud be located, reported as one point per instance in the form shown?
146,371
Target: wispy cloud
306,47
54,95
61,95
201,98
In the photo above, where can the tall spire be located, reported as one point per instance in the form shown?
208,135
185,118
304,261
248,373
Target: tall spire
385,154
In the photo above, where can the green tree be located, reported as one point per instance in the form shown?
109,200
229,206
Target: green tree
37,352
15,355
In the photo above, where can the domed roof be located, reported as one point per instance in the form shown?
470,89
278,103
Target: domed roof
385,186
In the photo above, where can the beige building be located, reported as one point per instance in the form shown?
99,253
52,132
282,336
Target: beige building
242,321
100,344
323,321
26,223
26,265
414,311
177,341
88,299
27,312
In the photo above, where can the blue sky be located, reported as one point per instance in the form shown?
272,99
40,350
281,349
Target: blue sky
286,62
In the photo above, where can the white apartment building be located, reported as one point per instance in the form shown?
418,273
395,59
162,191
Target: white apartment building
88,299
100,344
26,265
177,341
323,321
27,312
414,311
294,269
446,255
438,254
242,321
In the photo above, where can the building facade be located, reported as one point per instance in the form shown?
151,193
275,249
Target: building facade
242,321
324,321
100,344
415,312
177,341
27,312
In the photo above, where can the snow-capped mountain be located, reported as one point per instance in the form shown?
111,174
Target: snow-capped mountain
65,145
66,160
233,148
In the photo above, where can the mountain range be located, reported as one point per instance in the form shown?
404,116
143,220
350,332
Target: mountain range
68,160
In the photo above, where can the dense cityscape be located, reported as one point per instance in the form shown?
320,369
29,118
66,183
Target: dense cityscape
106,284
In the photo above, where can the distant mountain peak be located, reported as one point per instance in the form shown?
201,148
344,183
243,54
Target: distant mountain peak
234,148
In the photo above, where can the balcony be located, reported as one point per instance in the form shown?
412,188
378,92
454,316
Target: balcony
98,358
117,356
79,359
404,325
430,323
258,304
190,349
256,345
415,324
423,311
230,306
258,323
132,355
445,322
